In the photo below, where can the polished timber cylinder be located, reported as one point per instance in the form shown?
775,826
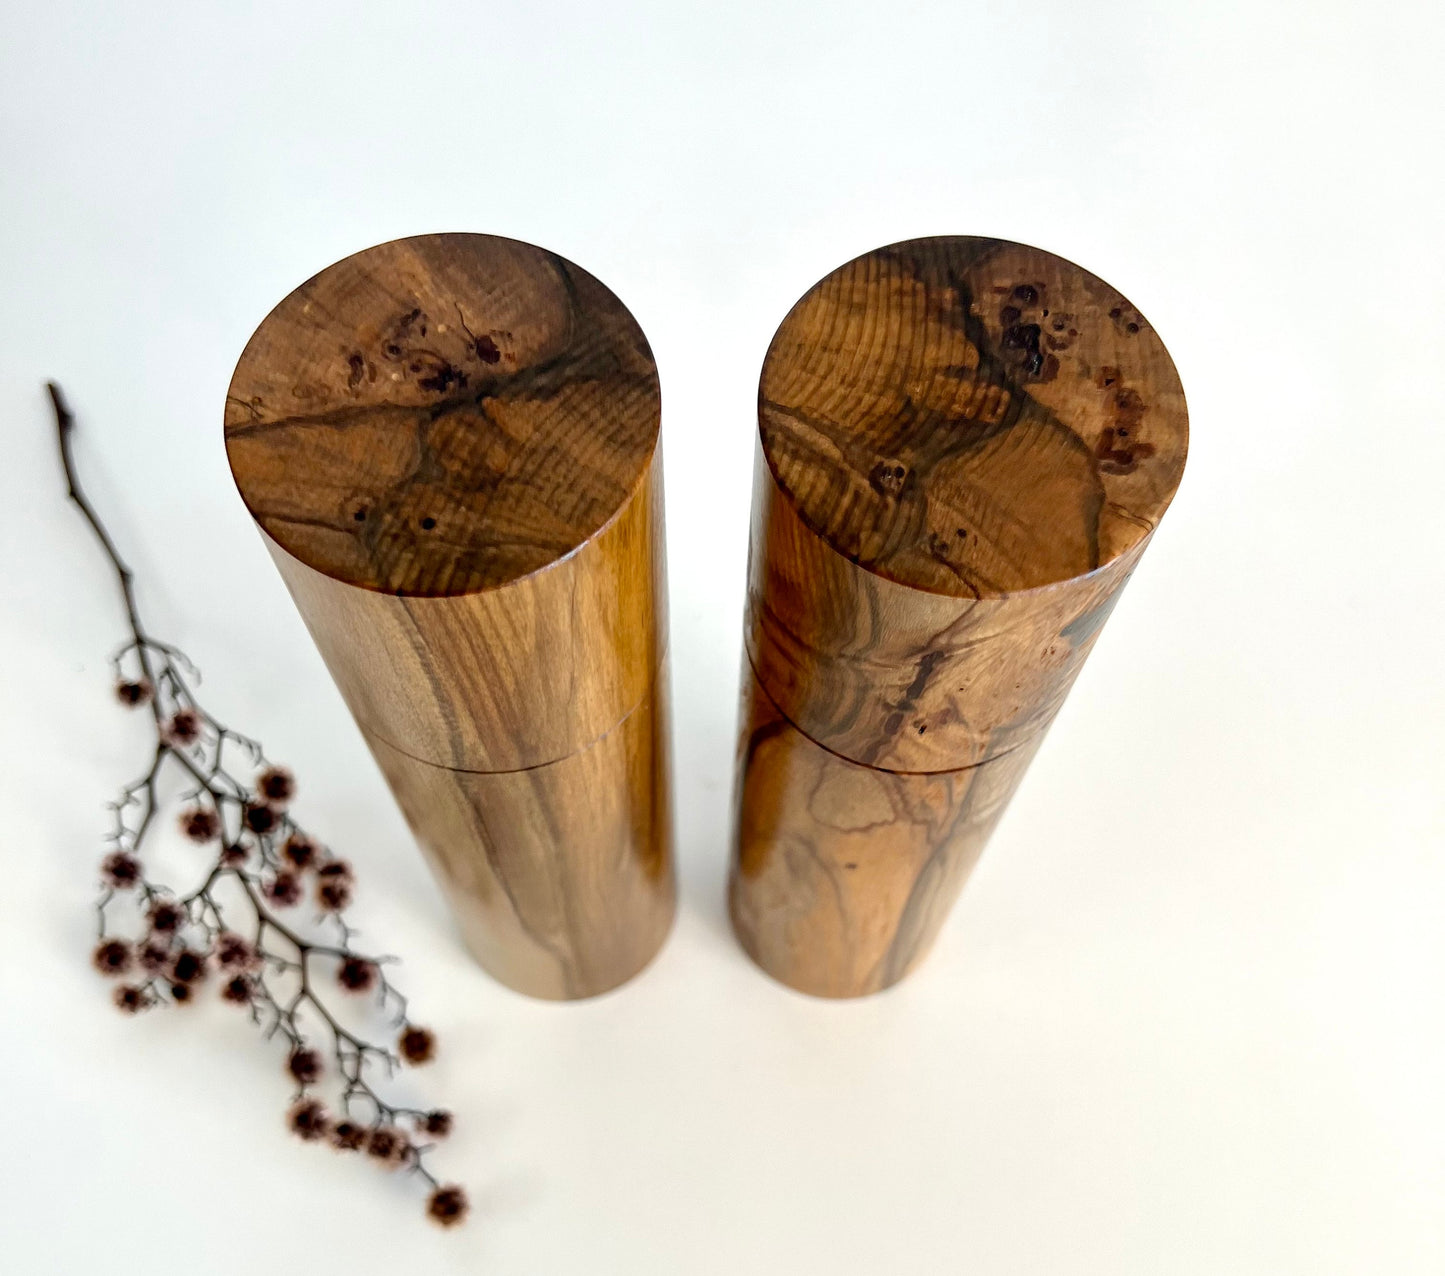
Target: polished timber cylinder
450,445
965,446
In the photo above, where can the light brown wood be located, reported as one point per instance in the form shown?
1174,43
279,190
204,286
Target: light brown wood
450,444
542,864
904,678
965,446
503,678
844,873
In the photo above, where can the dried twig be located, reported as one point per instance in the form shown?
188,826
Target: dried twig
258,862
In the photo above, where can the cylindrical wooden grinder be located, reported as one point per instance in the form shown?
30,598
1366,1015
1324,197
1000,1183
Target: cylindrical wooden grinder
450,444
965,446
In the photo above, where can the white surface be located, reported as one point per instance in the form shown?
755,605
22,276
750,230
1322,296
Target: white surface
1187,1018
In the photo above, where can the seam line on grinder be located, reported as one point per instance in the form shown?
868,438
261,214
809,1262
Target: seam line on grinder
652,689
868,766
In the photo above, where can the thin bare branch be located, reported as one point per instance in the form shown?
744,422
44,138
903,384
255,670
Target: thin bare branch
250,843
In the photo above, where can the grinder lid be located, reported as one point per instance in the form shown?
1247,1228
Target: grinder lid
442,415
972,417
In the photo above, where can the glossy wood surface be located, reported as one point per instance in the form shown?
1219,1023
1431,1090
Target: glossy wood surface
450,444
442,414
528,618
972,417
560,876
902,678
843,873
502,678
965,447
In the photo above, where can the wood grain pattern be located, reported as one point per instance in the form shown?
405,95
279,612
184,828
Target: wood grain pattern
502,678
964,448
903,678
844,873
442,414
450,444
972,417
560,876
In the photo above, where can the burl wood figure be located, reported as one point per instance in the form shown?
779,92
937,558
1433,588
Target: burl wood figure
965,446
450,444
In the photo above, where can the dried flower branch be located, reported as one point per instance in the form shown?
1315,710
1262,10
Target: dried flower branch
256,860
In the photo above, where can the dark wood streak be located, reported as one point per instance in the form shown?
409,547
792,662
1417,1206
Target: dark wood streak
842,649
1020,400
891,850
517,450
953,856
560,876
836,404
491,843
438,690
965,447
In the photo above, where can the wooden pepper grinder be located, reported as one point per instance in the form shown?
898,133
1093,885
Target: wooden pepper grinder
965,446
450,444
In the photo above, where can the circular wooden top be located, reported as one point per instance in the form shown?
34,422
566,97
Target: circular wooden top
442,415
972,417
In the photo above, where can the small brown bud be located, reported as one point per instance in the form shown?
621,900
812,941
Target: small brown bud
189,967
332,894
183,727
112,957
276,786
200,823
333,897
388,1145
347,1136
235,952
133,694
120,870
259,817
154,957
166,916
283,890
130,999
448,1205
300,851
417,1045
305,1065
356,974
308,1120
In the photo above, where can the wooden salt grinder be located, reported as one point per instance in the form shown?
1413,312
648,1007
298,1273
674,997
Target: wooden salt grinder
965,446
450,444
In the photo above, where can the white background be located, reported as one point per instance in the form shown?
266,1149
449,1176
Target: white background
1188,1016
